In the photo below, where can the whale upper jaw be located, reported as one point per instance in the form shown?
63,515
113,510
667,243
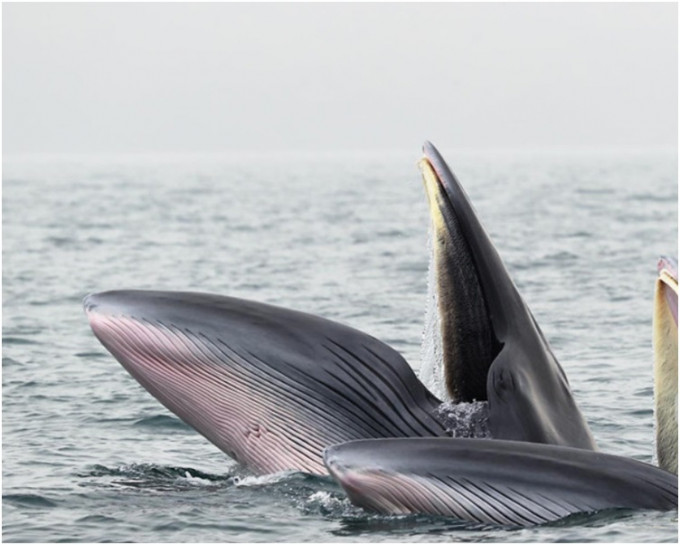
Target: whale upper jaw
493,349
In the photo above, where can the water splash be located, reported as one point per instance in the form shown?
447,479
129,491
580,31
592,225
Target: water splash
465,419
261,480
328,504
155,476
194,480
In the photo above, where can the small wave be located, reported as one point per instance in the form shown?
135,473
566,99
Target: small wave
28,500
161,421
159,477
594,518
17,340
594,191
60,241
194,480
97,519
325,503
646,392
576,234
260,480
650,197
642,413
7,361
92,355
363,523
390,233
561,256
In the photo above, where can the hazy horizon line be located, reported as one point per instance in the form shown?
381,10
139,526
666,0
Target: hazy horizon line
233,152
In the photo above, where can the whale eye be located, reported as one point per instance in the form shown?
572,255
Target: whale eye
504,382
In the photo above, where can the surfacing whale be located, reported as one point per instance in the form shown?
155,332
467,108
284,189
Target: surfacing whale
492,347
509,482
274,388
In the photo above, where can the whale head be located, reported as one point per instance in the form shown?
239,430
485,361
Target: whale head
491,348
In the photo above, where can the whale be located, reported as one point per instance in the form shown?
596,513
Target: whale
273,387
279,389
505,481
492,347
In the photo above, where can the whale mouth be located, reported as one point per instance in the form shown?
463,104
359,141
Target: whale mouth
463,326
493,349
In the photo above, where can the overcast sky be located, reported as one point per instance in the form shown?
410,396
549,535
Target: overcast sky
83,78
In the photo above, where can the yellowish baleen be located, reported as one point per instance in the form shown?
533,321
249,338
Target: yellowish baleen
666,374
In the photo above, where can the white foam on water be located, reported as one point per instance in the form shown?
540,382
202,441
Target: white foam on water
258,480
325,499
198,481
465,419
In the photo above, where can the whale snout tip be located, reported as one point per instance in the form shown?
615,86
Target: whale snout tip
342,459
90,302
327,454
428,147
332,461
668,264
104,302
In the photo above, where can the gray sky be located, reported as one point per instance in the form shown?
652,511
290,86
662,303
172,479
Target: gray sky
83,78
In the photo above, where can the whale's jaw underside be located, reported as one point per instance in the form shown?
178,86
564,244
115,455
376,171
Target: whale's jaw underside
269,386
509,483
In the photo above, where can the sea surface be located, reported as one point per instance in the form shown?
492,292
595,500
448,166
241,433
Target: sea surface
89,455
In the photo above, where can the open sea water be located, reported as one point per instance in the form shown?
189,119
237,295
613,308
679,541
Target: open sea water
89,455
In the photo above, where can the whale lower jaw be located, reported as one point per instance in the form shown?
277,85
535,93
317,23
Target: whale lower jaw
214,391
271,387
506,483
